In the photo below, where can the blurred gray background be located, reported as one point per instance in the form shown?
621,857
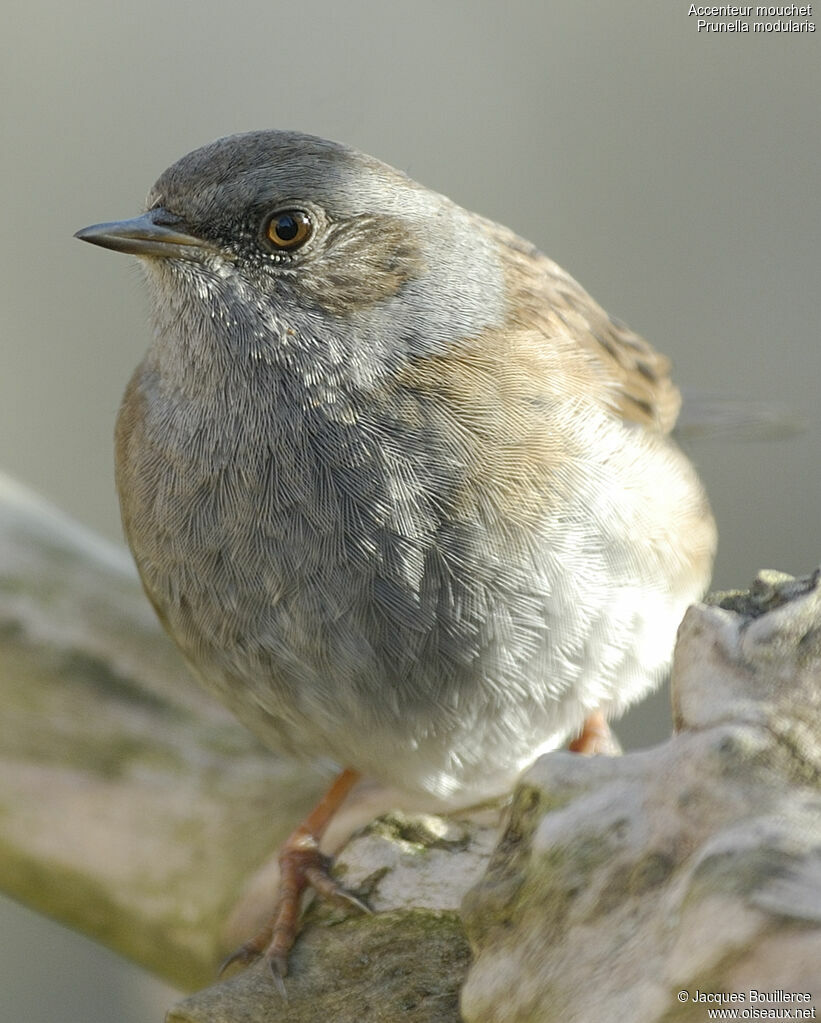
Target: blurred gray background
674,174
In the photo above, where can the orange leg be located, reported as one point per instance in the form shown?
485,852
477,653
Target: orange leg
300,864
596,737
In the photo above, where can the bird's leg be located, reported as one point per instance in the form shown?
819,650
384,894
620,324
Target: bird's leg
595,737
301,864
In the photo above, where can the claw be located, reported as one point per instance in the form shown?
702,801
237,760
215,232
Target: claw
324,885
247,953
278,967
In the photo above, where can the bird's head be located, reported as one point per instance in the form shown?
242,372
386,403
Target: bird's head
267,241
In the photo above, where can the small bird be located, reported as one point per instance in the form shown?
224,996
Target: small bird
403,494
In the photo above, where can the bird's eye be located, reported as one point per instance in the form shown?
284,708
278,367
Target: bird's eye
289,229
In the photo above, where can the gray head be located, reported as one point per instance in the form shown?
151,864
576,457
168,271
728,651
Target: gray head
285,235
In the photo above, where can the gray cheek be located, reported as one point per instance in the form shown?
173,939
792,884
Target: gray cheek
464,291
460,294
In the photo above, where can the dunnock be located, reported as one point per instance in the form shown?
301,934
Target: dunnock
401,491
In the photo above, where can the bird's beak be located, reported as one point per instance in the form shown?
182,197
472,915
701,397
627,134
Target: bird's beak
155,233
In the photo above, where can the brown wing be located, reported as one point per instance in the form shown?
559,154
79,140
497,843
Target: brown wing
635,377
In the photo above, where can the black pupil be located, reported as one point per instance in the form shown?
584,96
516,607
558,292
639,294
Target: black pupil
287,227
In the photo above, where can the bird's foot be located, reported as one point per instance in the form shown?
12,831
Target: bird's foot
596,737
301,865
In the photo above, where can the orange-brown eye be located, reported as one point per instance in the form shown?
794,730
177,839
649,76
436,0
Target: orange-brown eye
289,229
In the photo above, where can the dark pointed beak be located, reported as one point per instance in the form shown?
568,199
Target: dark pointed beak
155,233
